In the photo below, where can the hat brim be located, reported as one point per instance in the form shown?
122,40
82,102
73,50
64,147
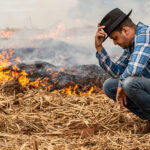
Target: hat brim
118,23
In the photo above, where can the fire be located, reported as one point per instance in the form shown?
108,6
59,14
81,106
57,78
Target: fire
55,33
18,59
9,73
49,69
72,90
61,31
54,75
61,69
23,78
5,34
88,92
15,73
58,31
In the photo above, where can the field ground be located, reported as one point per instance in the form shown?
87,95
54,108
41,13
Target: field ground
36,119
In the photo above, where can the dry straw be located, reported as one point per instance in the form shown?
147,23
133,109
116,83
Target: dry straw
36,120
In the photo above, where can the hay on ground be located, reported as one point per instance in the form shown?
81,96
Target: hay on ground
35,119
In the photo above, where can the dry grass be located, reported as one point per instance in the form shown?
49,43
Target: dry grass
37,120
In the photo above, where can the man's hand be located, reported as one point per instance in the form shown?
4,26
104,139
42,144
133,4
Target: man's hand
99,38
121,97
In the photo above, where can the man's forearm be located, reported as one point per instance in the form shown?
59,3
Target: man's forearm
106,63
99,49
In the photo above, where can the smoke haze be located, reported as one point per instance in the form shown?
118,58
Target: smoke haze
62,32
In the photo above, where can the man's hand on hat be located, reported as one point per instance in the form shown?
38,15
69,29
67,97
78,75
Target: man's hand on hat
99,38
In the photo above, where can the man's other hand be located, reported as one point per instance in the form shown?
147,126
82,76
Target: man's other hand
121,98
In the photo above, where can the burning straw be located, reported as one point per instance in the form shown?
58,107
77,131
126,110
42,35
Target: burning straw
27,76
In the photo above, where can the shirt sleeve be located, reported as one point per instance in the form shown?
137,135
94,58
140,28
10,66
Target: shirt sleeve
114,69
139,57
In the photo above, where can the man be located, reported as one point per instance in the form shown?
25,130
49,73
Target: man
130,82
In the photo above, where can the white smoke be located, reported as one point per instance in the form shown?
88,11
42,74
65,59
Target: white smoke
33,13
94,10
40,45
74,42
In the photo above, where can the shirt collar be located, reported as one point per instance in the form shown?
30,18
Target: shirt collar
138,27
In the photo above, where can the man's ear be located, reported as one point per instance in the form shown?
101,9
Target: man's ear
125,30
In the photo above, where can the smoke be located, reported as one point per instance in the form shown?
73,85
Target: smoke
33,13
43,14
94,10
60,38
62,32
48,45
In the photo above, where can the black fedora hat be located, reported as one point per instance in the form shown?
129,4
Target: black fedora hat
112,20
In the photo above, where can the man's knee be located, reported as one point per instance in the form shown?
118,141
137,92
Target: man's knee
107,84
130,84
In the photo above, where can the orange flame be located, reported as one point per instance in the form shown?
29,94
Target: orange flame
5,34
72,90
55,33
18,59
22,76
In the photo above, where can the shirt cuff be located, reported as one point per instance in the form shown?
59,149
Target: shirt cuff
120,83
101,53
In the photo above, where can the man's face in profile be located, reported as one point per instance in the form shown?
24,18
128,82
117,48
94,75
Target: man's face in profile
120,38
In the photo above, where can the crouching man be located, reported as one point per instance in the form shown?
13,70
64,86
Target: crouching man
130,82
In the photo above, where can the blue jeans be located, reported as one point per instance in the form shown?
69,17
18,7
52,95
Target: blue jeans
137,90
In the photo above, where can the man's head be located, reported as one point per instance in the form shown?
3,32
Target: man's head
119,27
124,33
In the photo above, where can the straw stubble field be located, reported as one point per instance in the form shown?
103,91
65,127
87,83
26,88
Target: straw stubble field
35,119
